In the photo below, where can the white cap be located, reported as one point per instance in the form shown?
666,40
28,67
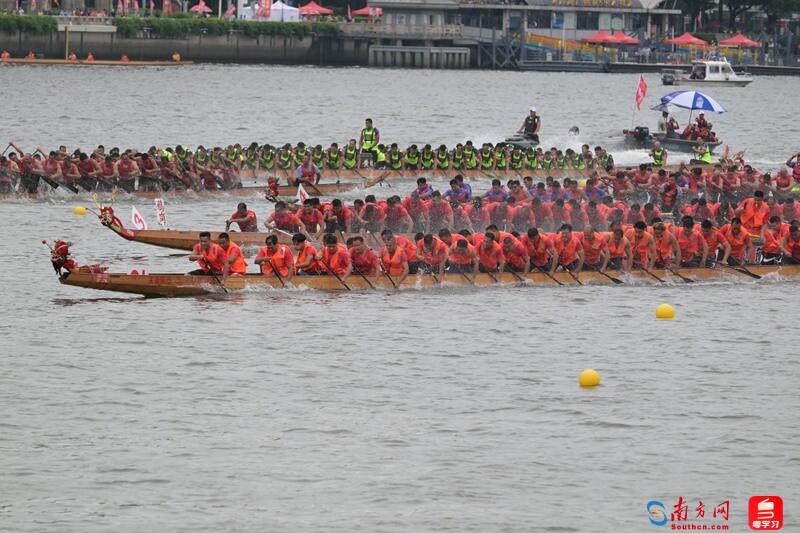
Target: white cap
533,109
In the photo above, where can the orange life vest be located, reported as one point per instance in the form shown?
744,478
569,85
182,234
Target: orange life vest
239,265
393,262
282,259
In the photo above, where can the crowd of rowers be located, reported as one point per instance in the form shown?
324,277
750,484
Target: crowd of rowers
489,236
181,169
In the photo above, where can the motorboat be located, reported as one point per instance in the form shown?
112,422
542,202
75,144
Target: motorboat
707,72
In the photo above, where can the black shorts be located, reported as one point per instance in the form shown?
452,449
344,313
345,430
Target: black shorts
456,268
201,272
616,263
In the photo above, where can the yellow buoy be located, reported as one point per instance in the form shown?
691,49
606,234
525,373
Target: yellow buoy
665,311
582,184
589,378
80,211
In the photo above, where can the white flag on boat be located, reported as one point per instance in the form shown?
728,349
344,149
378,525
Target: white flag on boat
302,195
161,212
138,222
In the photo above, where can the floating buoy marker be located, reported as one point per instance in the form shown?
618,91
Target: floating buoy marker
665,312
80,211
589,378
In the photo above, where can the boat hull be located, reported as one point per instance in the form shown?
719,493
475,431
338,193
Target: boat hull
712,83
671,145
96,63
168,285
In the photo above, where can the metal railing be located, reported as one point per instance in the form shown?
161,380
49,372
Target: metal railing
356,29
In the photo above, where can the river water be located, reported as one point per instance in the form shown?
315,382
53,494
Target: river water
456,408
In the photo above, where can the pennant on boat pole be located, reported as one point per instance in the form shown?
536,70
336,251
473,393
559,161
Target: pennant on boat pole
138,222
302,195
641,91
161,212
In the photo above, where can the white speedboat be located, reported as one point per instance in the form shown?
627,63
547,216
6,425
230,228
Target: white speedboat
707,72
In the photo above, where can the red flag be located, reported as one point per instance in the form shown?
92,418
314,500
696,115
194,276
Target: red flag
230,10
641,91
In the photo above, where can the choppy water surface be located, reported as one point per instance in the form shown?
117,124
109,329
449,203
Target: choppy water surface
455,409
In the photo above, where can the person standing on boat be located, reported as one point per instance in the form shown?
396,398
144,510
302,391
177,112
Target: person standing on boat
369,139
663,120
210,256
658,154
794,163
703,154
531,125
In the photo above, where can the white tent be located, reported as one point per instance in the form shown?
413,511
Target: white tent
280,12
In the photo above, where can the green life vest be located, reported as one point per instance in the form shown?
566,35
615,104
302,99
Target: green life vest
317,158
285,160
268,158
369,138
705,155
332,159
561,162
487,159
606,161
516,161
350,157
299,155
443,159
427,160
201,159
458,159
500,157
658,157
531,161
381,157
577,162
470,160
548,163
412,159
394,160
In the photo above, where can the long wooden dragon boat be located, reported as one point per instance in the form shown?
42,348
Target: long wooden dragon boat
94,63
184,285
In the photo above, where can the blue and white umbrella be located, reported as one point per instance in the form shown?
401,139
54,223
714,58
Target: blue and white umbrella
692,100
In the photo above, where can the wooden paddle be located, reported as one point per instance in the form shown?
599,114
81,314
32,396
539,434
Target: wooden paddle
214,275
507,269
334,273
742,270
675,271
275,271
615,280
648,271
546,273
388,276
568,271
358,271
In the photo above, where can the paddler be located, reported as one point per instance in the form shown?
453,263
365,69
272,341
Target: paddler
569,249
790,246
442,158
284,220
754,213
739,240
702,154
306,261
531,126
716,243
394,260
311,217
595,250
333,157
235,265
516,256
772,234
275,257
619,250
334,258
668,252
692,243
794,163
463,258
350,155
245,218
210,256
411,157
307,173
364,261
432,254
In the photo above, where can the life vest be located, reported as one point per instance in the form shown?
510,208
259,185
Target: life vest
215,256
487,160
641,247
125,169
461,256
443,159
689,244
705,154
412,159
285,160
470,160
338,262
462,196
516,162
282,259
458,159
738,242
547,163
394,160
332,159
617,249
247,226
490,258
369,138
393,262
201,158
567,252
538,250
299,155
577,163
773,238
663,246
793,246
432,255
605,161
796,171
561,162
531,161
753,219
268,158
363,263
427,160
658,157
531,123
239,265
350,158
592,248
497,196
317,157
303,255
500,158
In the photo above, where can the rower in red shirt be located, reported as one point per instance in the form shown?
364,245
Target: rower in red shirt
440,213
668,253
569,249
772,233
334,257
490,254
463,258
284,220
541,250
692,244
394,261
523,218
364,261
432,255
210,256
396,216
305,263
235,265
754,213
245,218
311,217
739,240
561,213
127,170
643,246
543,214
418,211
595,250
338,218
790,246
276,257
620,252
516,256
716,242
477,213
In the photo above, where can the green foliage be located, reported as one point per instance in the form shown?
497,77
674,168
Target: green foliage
710,38
36,24
181,15
172,27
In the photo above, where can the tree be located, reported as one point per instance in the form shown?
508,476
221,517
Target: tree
694,7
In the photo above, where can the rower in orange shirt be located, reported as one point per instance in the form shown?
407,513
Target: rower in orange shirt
244,217
620,252
407,246
716,242
569,249
739,240
541,250
463,258
432,254
643,246
753,213
338,217
595,250
334,258
668,253
773,233
284,220
306,260
394,261
364,261
235,264
516,256
693,246
311,217
790,246
210,256
274,258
